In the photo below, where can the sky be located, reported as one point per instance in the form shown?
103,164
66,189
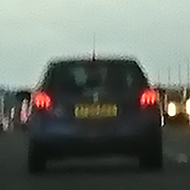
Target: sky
156,32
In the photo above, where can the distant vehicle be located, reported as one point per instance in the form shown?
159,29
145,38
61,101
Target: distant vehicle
24,114
20,112
178,106
101,107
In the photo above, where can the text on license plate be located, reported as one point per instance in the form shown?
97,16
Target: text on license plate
95,110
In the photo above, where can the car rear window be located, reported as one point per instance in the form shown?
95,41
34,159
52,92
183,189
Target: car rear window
77,77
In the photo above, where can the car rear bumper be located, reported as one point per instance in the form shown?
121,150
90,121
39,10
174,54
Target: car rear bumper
92,147
178,118
127,135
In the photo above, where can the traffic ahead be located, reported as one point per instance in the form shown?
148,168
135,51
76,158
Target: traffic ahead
99,107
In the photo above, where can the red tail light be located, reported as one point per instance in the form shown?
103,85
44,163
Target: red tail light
42,100
149,97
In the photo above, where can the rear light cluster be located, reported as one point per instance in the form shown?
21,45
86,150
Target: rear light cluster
42,100
148,97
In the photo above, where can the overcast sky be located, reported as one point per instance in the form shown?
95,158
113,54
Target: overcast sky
32,32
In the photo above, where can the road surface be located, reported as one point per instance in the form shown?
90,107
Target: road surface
108,173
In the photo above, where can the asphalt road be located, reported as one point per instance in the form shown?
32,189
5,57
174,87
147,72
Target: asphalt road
108,173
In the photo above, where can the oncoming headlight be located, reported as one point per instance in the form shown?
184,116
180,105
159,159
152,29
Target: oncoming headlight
188,106
171,109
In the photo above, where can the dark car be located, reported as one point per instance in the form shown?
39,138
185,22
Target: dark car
87,108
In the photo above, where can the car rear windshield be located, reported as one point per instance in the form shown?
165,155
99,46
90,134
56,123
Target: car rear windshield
76,77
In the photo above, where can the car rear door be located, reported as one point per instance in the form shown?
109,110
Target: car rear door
95,96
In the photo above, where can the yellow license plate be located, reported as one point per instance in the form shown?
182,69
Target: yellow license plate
95,110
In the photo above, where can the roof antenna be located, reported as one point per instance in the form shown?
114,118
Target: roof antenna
93,52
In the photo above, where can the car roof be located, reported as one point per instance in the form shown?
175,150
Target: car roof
53,64
97,61
103,61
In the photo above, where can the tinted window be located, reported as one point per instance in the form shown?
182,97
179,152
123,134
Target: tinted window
75,77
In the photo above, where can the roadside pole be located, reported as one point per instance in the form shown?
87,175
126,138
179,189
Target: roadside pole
2,108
